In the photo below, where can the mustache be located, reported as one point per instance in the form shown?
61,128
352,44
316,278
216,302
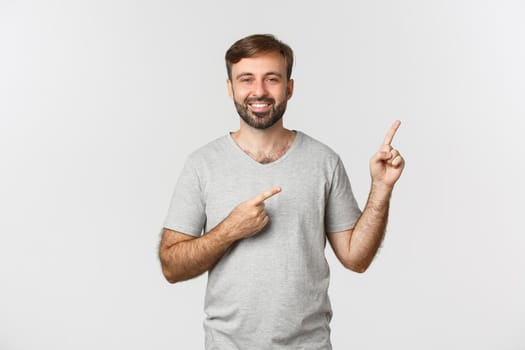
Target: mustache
259,100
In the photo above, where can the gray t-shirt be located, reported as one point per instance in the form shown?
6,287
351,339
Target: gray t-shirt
268,291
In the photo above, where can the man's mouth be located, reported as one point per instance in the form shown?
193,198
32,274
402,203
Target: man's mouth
260,106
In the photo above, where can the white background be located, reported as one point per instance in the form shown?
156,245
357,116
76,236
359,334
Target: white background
101,102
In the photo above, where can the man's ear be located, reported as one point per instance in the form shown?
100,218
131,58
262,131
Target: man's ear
229,87
289,89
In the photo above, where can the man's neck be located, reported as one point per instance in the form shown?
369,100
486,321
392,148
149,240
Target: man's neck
264,146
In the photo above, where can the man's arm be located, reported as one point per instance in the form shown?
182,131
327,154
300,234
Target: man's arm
183,256
357,247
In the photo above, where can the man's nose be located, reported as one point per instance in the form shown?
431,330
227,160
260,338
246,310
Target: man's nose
259,88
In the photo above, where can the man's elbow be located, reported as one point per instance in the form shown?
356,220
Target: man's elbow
359,269
356,266
170,277
169,272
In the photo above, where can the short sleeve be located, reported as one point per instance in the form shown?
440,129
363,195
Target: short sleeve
342,210
186,213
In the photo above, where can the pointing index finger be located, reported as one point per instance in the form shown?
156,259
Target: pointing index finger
267,194
390,134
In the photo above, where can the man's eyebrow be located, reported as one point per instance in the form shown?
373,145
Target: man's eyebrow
247,74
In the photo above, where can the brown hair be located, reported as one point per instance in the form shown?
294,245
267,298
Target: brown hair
257,44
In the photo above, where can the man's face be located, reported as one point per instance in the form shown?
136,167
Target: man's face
260,89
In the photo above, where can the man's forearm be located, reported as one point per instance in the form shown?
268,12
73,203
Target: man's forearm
369,230
185,259
190,258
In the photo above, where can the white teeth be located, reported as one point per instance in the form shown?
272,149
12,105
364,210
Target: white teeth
259,105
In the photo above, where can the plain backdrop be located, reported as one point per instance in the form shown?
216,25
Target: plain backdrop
102,101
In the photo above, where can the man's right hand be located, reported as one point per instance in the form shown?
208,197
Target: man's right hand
184,256
249,217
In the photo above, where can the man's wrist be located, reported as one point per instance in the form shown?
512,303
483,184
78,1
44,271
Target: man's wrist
223,232
379,197
380,191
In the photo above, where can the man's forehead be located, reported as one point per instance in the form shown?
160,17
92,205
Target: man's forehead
270,62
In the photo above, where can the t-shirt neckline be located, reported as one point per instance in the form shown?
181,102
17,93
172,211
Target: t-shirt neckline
245,157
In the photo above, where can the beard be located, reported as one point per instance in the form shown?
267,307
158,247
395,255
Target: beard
260,120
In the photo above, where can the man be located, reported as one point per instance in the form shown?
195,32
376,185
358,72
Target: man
266,199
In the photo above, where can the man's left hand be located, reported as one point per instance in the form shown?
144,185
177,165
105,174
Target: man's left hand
387,164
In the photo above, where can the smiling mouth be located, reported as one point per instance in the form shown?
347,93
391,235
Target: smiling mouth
260,106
